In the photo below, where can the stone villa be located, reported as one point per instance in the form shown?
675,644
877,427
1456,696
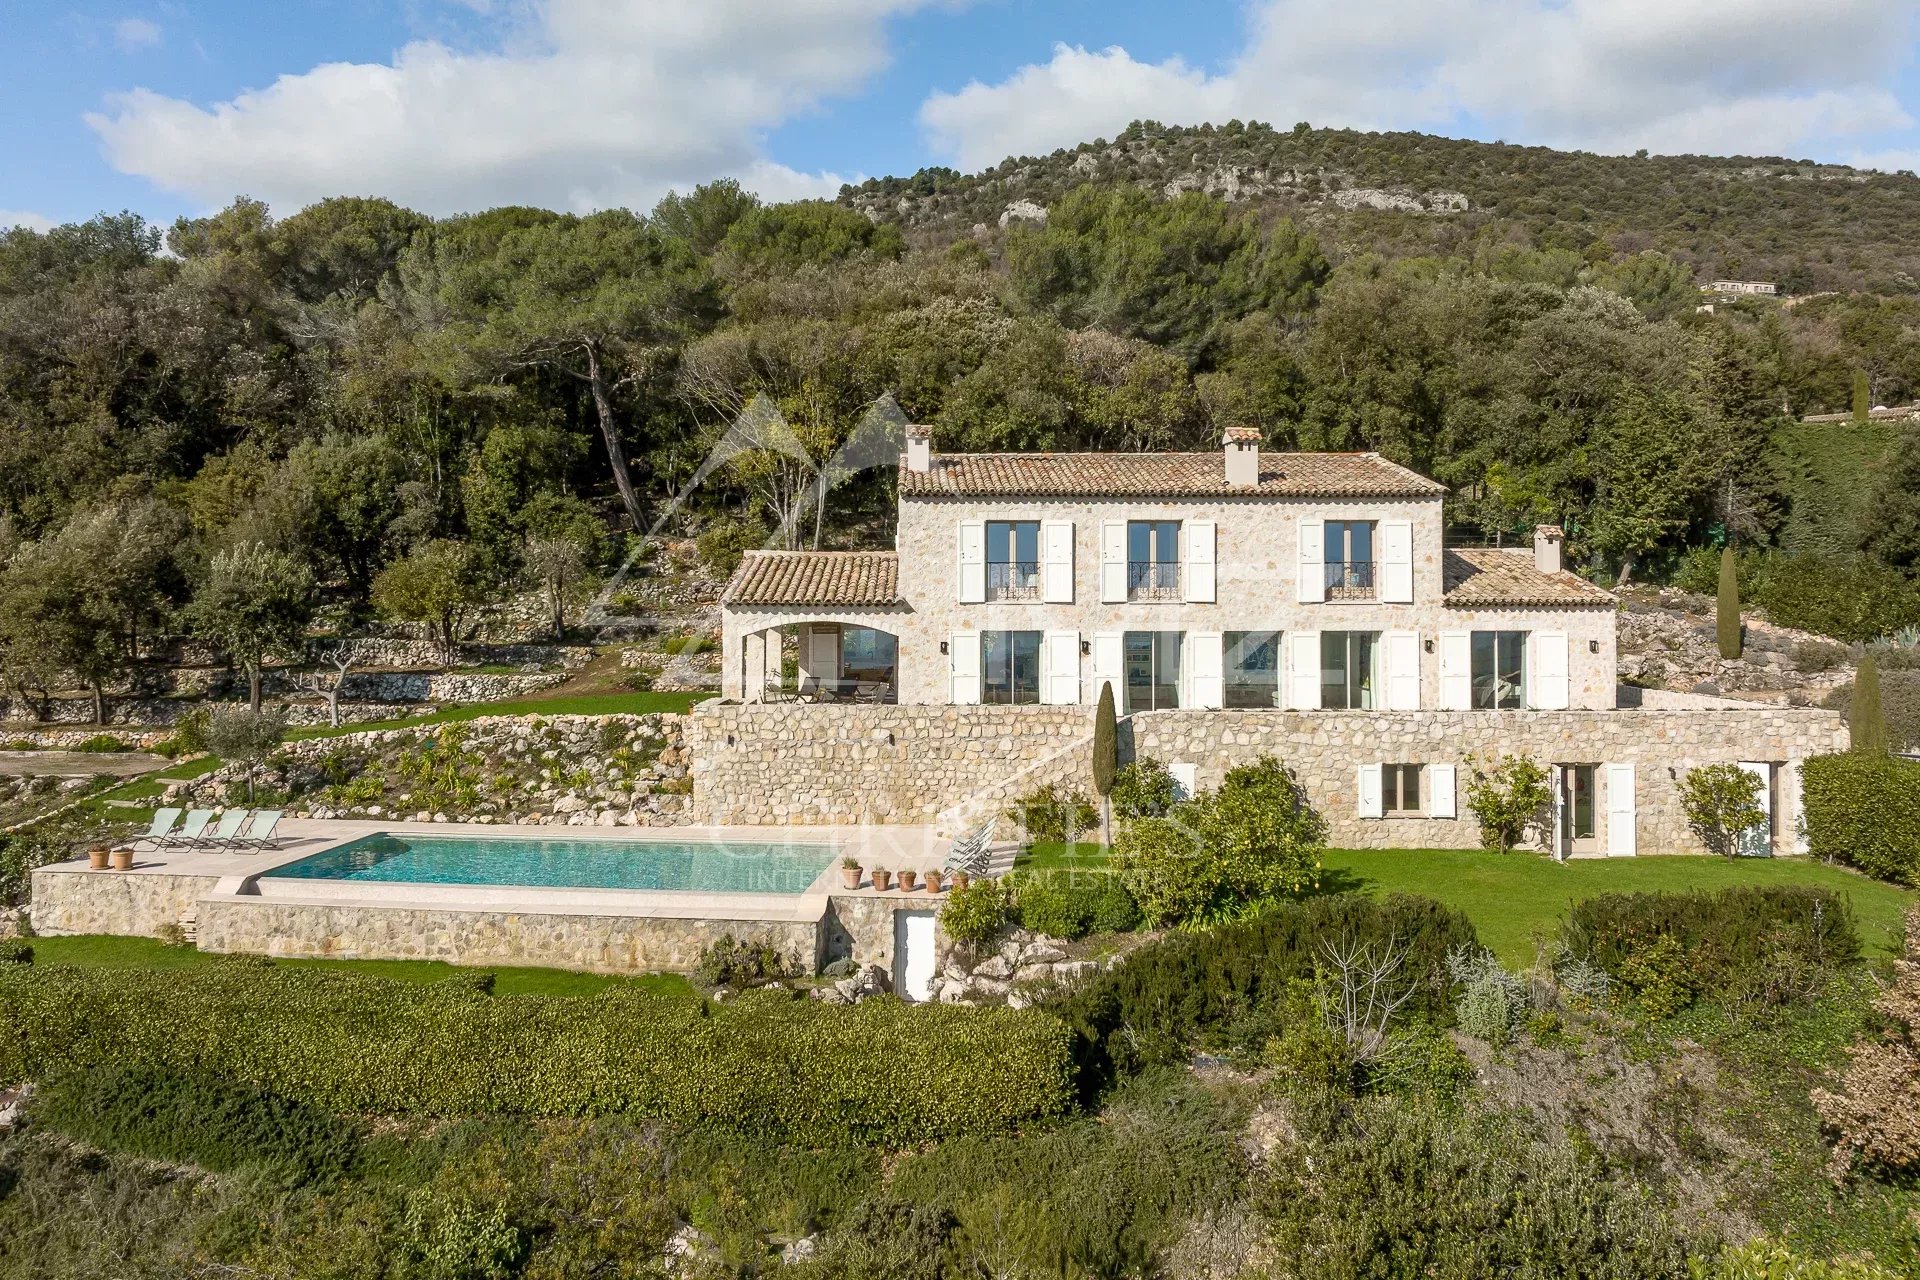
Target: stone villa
1303,604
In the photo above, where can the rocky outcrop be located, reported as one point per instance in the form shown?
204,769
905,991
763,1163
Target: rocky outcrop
1667,641
1013,973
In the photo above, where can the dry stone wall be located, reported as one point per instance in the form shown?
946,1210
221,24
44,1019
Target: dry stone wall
117,902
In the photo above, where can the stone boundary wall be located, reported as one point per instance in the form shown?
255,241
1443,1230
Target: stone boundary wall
1325,750
115,902
150,719
780,763
465,936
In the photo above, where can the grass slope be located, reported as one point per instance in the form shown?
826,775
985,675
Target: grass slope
1512,897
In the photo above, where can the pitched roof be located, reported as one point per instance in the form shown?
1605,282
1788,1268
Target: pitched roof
1493,576
1162,475
838,579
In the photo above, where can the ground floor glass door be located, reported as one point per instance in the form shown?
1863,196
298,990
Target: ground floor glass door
1579,831
1152,670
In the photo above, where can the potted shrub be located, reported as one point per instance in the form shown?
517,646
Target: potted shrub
933,881
882,879
850,873
908,877
123,859
97,858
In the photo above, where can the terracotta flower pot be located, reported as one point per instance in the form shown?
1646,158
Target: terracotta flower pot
959,881
123,859
97,857
933,882
882,879
908,877
850,877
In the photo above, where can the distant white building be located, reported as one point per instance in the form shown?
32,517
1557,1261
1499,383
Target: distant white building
1764,288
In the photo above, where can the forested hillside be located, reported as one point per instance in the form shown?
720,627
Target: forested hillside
417,416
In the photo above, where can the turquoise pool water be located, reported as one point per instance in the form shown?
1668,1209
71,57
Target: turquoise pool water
709,866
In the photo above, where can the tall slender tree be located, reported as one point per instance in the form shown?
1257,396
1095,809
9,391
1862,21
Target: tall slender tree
1866,721
1727,607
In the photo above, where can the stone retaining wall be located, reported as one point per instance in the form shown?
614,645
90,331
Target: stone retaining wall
1325,749
811,765
114,902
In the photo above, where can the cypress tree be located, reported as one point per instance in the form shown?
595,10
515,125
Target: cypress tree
1727,613
1866,724
1106,749
1861,399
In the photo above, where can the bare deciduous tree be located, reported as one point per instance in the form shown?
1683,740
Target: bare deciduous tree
1367,984
341,658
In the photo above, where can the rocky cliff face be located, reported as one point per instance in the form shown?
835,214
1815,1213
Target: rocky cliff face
1667,642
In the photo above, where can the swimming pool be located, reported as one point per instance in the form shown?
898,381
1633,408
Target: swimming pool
707,866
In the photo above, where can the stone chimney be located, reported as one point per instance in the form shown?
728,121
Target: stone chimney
919,447
1546,547
1243,456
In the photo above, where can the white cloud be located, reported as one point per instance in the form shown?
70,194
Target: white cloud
586,104
11,218
1752,76
135,33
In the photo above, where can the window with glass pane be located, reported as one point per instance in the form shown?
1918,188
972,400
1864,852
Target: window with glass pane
1499,670
1152,670
1576,804
1252,668
1348,680
1013,559
1010,666
1153,559
866,654
1400,788
1349,558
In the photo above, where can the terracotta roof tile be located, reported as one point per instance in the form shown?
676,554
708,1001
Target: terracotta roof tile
1162,475
1494,576
842,579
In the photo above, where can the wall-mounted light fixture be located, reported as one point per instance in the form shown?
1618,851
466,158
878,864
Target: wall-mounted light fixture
1428,645
943,646
1086,647
1593,646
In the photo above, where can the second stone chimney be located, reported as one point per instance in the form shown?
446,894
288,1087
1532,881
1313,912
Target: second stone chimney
1546,547
1243,456
919,447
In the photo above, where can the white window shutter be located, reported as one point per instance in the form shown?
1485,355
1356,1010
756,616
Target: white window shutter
1442,791
1456,670
1056,548
1370,791
1200,539
1109,650
1403,670
1396,561
1113,562
1206,670
963,654
1622,812
1313,563
1060,679
1547,665
973,561
1303,670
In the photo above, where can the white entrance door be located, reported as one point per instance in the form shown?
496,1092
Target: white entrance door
913,960
1757,840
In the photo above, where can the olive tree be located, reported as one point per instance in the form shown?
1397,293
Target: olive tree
255,604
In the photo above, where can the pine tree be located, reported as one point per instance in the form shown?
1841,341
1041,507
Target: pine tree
1866,723
1105,759
1727,619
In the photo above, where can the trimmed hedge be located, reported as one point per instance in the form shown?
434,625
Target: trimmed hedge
16,951
1864,810
779,1068
1071,903
1720,935
1172,996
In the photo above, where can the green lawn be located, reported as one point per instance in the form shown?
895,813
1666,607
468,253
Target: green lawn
1044,856
102,952
1513,896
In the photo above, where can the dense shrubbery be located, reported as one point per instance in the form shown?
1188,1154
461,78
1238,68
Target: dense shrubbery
1864,810
1855,600
1072,903
741,962
1766,942
879,1071
1144,788
1232,983
978,913
1899,697
1053,816
16,951
1876,1112
205,1120
1721,803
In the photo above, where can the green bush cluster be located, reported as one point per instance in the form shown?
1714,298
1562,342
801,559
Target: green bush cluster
1232,984
205,1120
1899,702
1766,941
16,951
1053,816
1073,903
102,744
877,1072
1144,788
741,962
1864,810
978,913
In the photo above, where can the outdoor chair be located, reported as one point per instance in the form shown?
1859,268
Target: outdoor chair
157,833
259,835
225,834
191,830
970,852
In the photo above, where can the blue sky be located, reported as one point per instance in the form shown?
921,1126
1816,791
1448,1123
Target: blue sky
173,107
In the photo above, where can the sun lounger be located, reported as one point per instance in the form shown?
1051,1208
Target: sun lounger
225,834
970,852
157,832
191,830
259,834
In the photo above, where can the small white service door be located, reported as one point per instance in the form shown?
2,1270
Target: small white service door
913,958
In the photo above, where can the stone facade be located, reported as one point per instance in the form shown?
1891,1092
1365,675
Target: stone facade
128,904
842,764
1326,750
